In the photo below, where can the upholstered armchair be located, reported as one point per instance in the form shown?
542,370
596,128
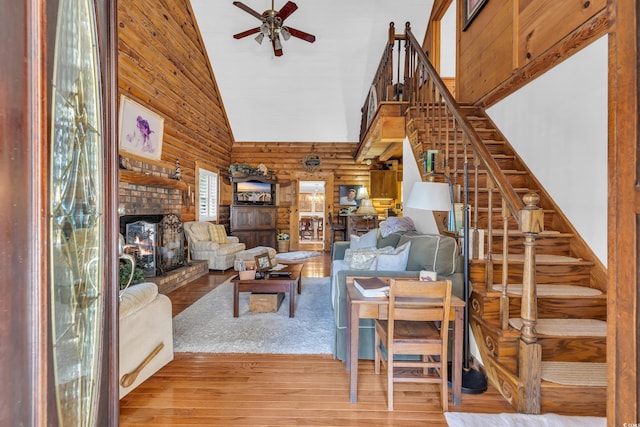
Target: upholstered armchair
210,242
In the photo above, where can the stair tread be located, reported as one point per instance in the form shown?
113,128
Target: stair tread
592,374
545,233
566,327
540,258
545,290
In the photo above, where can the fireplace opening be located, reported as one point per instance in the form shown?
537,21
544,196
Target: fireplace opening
155,241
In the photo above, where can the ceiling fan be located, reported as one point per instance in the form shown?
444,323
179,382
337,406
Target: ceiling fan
273,26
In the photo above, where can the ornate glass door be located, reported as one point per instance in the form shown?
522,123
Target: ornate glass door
76,215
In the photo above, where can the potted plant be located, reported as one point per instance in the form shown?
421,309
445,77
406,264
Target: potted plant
125,274
283,242
239,170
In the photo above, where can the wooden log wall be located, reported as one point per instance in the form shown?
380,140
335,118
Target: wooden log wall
285,159
163,65
510,43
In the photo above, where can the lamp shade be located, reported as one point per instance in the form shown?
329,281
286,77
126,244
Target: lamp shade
362,193
366,208
430,196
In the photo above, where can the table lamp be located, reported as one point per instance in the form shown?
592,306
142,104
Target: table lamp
432,196
366,205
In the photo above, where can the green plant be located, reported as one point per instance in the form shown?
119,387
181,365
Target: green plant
242,168
283,236
125,273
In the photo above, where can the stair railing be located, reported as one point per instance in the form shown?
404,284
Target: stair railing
449,131
386,84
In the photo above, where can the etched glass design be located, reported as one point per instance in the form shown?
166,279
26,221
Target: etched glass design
76,215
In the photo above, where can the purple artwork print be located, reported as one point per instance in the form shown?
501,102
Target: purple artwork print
142,135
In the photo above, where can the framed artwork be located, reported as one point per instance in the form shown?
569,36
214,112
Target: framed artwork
263,262
347,195
471,10
430,161
140,130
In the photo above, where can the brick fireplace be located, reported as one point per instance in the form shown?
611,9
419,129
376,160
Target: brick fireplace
148,192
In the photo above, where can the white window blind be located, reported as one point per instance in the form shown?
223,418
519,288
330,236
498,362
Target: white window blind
207,195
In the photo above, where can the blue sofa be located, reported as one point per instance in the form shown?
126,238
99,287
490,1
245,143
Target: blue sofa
432,252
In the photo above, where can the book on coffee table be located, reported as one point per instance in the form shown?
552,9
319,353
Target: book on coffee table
372,287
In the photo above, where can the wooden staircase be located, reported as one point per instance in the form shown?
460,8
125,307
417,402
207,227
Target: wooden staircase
571,303
537,304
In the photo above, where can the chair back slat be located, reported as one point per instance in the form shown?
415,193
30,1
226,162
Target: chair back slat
419,301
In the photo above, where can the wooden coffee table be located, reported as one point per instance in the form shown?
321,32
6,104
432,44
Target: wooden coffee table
267,285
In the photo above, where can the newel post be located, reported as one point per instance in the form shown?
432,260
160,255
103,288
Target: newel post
530,353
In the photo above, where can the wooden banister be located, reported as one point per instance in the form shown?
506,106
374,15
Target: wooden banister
493,170
438,122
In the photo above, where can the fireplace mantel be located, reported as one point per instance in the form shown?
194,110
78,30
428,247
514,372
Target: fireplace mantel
151,180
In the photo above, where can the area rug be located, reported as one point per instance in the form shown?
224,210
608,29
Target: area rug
208,326
467,419
296,255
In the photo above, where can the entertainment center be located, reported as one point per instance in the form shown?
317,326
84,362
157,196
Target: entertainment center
254,214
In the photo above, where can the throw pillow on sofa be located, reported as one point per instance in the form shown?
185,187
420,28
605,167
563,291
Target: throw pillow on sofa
396,260
368,240
365,258
218,233
433,252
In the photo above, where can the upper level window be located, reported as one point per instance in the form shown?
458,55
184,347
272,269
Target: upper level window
207,195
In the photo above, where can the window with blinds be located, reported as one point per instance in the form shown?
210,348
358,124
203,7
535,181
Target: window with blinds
207,195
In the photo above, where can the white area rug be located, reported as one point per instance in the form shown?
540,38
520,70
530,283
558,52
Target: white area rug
296,255
208,326
465,419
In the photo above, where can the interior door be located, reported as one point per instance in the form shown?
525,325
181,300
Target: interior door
294,213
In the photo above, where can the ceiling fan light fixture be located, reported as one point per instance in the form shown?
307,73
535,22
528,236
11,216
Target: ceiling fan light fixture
286,35
272,25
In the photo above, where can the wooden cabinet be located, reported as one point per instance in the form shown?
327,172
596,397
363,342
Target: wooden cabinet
255,225
384,184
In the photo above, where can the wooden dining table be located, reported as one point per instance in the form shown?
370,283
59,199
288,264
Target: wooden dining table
360,307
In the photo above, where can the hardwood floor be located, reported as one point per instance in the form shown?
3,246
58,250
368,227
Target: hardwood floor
283,390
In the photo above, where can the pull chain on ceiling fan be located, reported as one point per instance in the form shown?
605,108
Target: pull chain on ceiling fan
273,26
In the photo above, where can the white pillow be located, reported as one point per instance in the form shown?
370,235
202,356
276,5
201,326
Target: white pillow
365,258
396,260
368,240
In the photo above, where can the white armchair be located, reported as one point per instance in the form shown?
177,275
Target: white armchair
210,242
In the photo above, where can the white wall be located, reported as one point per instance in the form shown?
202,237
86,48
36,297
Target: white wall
558,125
423,220
448,42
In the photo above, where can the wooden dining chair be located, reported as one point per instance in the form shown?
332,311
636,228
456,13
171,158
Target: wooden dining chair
417,325
335,228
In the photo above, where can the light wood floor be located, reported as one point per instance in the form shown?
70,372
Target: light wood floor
279,390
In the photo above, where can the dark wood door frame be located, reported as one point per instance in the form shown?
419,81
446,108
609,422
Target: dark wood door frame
25,318
624,211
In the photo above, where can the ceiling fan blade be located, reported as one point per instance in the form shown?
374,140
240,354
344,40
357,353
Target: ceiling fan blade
248,9
246,33
301,35
287,10
277,46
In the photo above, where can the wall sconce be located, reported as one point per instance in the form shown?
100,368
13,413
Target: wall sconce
188,197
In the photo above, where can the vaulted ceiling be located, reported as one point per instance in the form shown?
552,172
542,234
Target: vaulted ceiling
314,92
